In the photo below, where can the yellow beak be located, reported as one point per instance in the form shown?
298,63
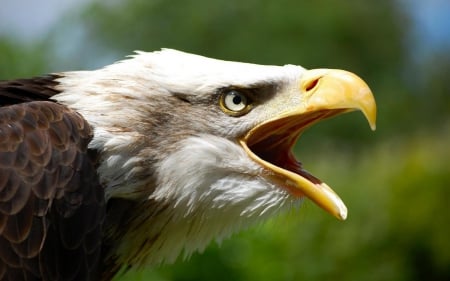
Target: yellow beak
338,89
325,93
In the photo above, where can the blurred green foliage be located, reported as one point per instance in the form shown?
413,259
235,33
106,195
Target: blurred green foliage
395,181
18,60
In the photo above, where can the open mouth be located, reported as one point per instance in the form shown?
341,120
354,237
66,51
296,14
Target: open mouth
325,93
270,144
275,146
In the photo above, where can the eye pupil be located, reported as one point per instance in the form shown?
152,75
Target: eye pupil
237,99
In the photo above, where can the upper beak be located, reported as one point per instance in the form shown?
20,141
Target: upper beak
337,89
325,93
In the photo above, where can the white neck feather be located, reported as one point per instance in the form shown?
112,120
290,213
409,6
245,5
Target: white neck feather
208,196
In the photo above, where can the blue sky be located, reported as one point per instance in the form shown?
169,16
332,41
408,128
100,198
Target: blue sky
432,22
36,19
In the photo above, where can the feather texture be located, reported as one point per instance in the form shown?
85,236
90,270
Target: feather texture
51,205
26,90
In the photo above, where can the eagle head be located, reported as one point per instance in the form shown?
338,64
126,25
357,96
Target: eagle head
192,149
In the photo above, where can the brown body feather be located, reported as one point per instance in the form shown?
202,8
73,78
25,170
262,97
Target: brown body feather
26,90
51,203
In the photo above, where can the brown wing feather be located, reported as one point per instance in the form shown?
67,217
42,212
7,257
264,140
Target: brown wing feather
26,90
51,204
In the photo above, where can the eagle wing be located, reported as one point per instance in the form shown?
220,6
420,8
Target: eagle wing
51,203
26,90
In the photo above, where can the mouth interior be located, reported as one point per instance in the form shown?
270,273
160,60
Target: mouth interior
272,142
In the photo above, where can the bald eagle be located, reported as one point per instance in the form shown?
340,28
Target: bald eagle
154,156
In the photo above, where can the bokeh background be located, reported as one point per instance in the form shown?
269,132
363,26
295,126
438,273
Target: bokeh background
395,182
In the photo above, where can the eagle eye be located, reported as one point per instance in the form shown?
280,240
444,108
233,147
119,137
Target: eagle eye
234,102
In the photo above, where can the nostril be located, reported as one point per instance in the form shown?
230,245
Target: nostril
311,84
